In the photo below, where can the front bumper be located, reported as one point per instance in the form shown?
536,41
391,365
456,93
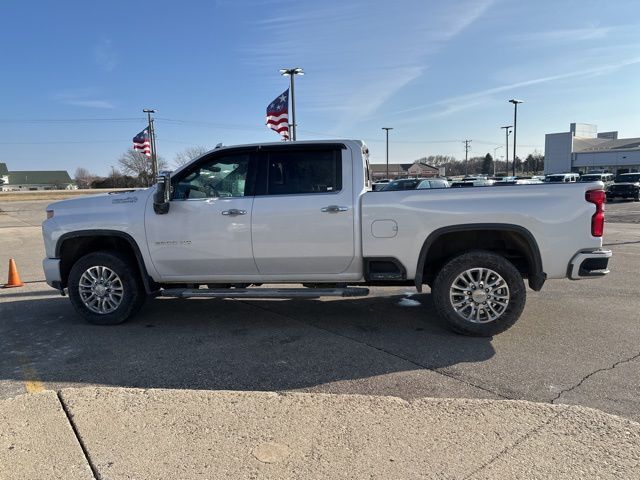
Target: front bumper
589,264
51,267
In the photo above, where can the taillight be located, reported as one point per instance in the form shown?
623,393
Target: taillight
598,198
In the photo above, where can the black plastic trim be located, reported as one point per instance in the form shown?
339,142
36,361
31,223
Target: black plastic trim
536,276
367,268
146,279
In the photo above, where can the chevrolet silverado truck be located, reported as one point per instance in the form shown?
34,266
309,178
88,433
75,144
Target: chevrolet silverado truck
239,218
627,185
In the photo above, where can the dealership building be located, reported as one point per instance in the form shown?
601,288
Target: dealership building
582,149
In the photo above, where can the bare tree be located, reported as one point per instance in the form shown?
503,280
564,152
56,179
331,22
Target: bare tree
83,177
189,154
138,165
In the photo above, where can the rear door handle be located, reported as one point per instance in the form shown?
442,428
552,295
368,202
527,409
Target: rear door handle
234,212
334,209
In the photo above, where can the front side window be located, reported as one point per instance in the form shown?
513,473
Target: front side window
296,172
221,176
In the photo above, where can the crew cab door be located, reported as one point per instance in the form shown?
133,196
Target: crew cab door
207,231
303,218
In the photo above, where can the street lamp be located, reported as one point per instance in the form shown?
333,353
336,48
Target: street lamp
506,150
292,72
515,129
494,159
387,131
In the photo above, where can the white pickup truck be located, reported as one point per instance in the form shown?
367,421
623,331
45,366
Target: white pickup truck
303,213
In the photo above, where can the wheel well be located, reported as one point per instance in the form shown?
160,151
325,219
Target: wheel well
74,248
511,244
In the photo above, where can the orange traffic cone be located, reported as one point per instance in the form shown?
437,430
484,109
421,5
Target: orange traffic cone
14,277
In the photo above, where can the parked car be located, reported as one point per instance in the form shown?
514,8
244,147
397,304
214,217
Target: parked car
627,185
606,178
433,183
402,184
562,178
379,185
473,182
302,213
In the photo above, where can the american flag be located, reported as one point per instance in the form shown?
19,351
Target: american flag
278,115
142,142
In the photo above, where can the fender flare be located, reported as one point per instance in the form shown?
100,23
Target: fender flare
536,276
149,284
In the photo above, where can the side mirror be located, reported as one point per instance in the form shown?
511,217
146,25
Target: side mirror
162,194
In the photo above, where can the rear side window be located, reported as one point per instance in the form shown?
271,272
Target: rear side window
304,171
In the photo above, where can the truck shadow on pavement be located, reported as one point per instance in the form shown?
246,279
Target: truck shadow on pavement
238,345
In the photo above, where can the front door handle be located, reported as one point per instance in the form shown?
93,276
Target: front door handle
234,212
334,209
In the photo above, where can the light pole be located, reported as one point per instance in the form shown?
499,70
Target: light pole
292,72
387,131
506,150
152,136
515,130
494,159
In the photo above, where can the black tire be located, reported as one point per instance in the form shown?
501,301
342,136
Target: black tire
636,198
506,316
133,294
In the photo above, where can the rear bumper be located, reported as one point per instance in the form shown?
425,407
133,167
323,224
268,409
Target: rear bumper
51,267
589,264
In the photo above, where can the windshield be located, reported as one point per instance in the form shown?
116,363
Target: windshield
554,178
628,177
401,185
590,178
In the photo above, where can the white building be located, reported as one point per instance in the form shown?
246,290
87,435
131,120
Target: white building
582,149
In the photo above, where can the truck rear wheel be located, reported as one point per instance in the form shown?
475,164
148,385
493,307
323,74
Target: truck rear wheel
105,288
479,293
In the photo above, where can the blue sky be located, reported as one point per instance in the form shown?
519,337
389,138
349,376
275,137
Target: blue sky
76,75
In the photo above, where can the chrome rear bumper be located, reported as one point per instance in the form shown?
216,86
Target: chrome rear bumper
589,264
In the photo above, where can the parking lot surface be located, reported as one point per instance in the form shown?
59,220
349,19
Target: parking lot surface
576,343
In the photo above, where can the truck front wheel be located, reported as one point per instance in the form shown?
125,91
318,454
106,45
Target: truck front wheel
105,288
479,293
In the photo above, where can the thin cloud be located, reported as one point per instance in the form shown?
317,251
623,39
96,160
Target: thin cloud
83,98
450,105
355,71
105,55
564,35
91,104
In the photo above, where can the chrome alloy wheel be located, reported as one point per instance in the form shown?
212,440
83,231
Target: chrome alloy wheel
479,295
100,289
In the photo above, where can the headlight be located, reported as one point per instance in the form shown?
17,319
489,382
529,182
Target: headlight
49,214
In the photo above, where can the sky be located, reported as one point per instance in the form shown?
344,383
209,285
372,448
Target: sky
75,76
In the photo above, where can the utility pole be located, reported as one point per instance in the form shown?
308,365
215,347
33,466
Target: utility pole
515,130
387,131
292,72
466,156
506,150
152,136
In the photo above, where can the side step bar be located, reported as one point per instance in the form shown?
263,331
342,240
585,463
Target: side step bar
264,292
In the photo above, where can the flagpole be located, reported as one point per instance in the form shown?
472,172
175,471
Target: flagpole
292,72
152,136
292,127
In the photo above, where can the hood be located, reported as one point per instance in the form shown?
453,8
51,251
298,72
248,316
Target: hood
102,200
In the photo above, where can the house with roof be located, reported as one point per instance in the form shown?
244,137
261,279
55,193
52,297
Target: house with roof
17,180
417,169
